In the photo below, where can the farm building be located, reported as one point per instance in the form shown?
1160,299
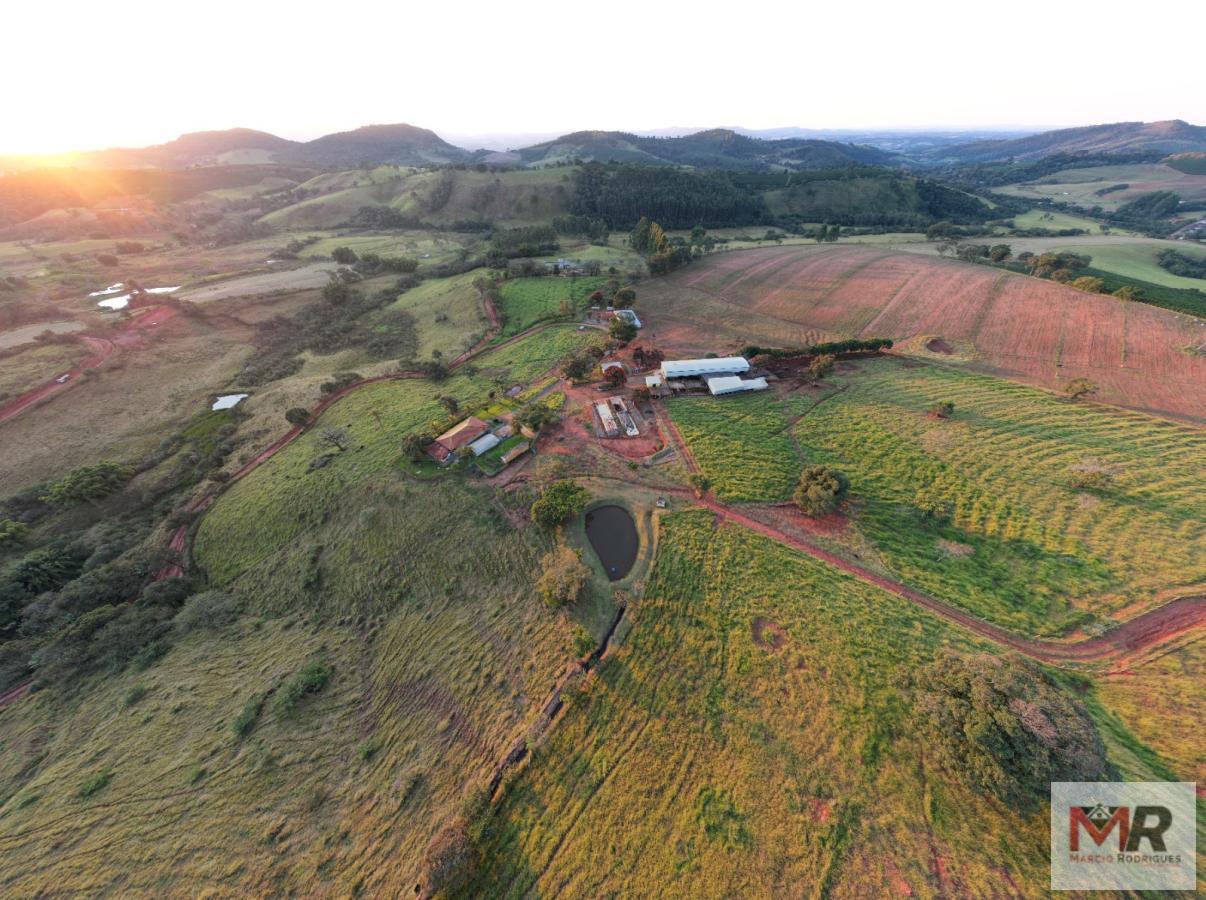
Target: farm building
445,448
607,420
611,364
731,384
486,442
515,452
628,316
705,368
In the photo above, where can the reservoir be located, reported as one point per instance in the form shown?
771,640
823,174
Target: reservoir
613,535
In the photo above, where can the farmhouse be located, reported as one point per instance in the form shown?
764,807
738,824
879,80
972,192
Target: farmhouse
444,448
731,384
704,368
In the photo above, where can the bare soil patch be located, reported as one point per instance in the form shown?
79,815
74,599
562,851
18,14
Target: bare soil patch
768,634
938,345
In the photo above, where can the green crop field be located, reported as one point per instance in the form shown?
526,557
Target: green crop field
1019,545
264,511
1022,546
1038,218
526,301
741,443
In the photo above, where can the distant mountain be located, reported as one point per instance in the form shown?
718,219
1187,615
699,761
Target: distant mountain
403,145
718,148
1173,136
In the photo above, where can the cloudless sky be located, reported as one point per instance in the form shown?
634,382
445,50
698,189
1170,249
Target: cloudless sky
77,75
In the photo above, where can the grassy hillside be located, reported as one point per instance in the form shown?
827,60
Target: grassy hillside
1110,186
526,301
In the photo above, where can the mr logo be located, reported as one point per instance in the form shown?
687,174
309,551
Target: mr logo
1147,822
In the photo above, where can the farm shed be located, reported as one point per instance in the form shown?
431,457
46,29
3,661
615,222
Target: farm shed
515,452
734,385
705,368
607,420
611,364
485,442
462,434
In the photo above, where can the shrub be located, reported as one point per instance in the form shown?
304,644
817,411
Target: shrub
12,531
310,679
245,720
820,366
700,482
582,642
208,610
1005,728
450,860
94,783
562,576
345,256
134,695
297,415
943,409
624,297
1091,479
88,483
820,490
1080,387
558,502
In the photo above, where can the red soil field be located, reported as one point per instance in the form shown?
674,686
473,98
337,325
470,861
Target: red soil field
1003,324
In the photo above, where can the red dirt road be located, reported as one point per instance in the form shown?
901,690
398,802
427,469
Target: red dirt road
101,349
1146,630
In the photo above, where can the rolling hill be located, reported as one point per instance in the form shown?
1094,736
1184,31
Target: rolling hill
1172,136
718,148
992,321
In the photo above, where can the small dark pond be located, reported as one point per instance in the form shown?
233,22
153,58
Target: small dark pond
613,534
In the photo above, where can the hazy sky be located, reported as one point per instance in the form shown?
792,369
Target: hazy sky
126,73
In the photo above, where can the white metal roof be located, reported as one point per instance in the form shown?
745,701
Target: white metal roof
732,384
653,380
486,442
695,368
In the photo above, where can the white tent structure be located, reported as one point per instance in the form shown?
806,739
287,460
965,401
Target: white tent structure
734,385
705,368
487,441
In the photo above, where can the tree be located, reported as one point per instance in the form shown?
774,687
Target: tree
1004,727
414,445
1000,252
449,403
1080,387
641,394
624,297
820,366
700,483
820,489
562,576
535,416
1126,292
297,415
577,366
339,438
558,502
345,256
88,483
337,292
621,330
1087,283
615,376
822,234
12,531
932,505
942,409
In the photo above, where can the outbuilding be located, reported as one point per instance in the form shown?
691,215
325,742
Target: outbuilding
487,441
733,385
705,368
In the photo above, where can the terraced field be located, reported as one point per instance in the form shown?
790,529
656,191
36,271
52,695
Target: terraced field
1010,325
1023,547
742,444
1011,537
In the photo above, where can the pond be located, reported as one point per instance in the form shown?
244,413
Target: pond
613,535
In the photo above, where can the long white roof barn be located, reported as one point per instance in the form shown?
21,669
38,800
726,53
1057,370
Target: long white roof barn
703,368
731,384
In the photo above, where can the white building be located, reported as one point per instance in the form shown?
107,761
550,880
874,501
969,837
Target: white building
487,441
628,316
731,384
705,368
